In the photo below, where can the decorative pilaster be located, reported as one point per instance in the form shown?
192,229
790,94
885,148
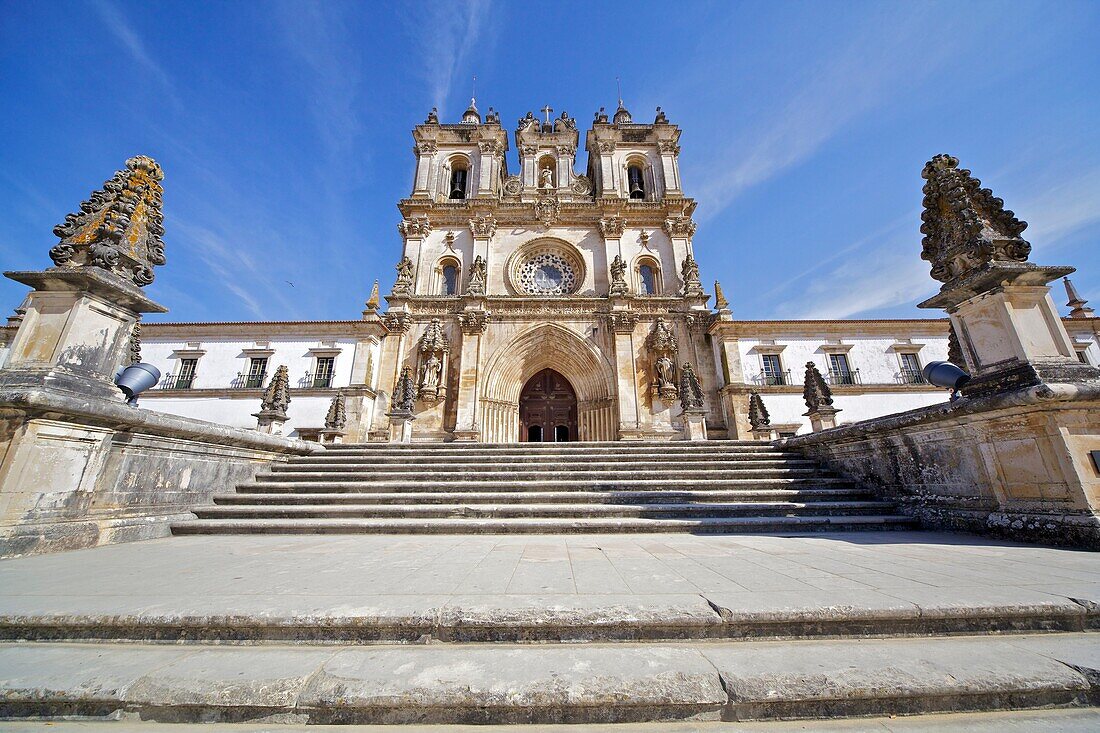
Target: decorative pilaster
999,302
483,228
473,323
414,230
819,400
623,323
274,404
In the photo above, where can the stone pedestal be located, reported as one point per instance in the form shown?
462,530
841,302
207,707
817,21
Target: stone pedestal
1009,328
468,435
75,332
401,427
768,434
695,424
333,436
823,418
270,421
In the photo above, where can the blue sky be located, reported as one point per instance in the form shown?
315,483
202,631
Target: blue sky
284,132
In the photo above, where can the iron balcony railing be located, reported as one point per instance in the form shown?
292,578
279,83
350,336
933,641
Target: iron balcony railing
174,381
773,379
249,381
315,381
910,376
844,376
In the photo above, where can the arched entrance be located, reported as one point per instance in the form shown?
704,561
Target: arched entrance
547,409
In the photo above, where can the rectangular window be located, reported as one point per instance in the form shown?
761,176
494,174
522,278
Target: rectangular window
840,372
773,369
257,372
1083,356
910,369
323,378
186,377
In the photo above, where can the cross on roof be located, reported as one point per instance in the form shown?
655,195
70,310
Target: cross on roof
546,111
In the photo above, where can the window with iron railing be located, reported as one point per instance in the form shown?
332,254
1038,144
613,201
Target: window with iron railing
772,370
186,376
257,372
910,370
322,378
840,371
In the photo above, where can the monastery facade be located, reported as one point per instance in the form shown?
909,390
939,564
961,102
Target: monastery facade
548,304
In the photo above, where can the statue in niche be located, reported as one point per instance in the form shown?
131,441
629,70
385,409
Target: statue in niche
430,374
477,277
666,376
546,178
618,276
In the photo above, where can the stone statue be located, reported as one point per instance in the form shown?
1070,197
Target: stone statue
404,276
689,273
477,277
430,373
546,178
666,376
618,276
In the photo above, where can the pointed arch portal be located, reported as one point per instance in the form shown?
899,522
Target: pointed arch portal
579,364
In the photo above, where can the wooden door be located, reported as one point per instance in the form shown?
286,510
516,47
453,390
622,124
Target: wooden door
547,409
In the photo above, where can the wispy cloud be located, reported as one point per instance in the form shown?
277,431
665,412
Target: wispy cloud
879,63
1062,209
116,22
449,34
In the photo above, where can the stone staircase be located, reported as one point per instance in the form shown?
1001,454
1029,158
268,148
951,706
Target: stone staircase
715,487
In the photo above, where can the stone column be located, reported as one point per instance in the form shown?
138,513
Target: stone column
425,154
473,320
487,164
670,166
622,324
397,325
608,174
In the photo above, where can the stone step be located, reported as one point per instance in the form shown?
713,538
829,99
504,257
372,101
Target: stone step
606,453
556,497
425,684
521,462
498,511
575,444
269,485
527,525
373,475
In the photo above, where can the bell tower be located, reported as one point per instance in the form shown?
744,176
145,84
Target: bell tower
547,153
461,161
634,161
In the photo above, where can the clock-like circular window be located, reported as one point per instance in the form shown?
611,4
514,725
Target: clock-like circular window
546,267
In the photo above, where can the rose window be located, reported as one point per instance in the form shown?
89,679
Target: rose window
547,273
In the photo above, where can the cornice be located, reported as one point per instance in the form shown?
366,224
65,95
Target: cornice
742,388
253,329
570,211
353,390
810,328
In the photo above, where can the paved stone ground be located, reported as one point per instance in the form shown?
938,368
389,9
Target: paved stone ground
1043,721
681,577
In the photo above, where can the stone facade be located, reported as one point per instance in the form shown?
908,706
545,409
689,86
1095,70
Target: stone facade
508,273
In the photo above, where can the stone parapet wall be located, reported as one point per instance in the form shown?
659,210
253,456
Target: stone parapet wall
1016,464
79,472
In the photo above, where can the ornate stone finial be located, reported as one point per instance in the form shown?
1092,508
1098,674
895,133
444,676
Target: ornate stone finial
404,392
478,277
337,416
965,226
403,284
601,117
622,115
276,397
689,273
471,116
492,117
433,117
135,343
374,301
691,392
758,414
720,301
1078,306
618,276
954,349
815,390
119,228
660,119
